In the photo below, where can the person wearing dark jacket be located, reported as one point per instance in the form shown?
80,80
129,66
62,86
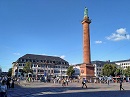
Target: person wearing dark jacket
121,85
84,81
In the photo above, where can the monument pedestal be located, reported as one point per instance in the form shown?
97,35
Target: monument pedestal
87,71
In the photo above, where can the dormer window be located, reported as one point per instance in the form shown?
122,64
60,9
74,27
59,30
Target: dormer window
53,61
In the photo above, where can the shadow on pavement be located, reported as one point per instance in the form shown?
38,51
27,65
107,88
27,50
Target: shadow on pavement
90,94
19,91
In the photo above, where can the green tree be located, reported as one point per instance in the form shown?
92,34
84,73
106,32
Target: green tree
70,71
109,69
27,68
119,71
9,72
127,72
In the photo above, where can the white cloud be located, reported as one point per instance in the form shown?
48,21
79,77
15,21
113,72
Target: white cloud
63,56
98,42
16,54
120,34
121,31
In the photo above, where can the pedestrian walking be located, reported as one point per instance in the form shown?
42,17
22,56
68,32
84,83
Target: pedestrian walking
84,81
108,81
12,83
63,82
121,85
8,82
67,81
18,80
3,89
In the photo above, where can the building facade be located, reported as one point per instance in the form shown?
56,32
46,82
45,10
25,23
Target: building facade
77,70
98,66
49,66
124,64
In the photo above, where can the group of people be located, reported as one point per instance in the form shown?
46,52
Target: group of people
29,79
65,82
5,83
84,81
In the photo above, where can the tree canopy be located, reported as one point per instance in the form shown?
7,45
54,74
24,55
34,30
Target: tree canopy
119,71
127,72
70,71
27,68
9,72
109,69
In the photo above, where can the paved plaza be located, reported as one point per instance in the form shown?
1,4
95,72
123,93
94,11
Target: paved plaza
40,89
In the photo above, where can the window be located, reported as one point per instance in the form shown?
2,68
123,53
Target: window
33,60
20,64
26,60
30,60
56,71
22,60
20,70
43,65
41,70
53,61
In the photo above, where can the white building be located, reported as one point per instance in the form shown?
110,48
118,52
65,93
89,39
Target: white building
50,66
77,70
123,63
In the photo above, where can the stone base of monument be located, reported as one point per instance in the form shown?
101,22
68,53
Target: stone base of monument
87,71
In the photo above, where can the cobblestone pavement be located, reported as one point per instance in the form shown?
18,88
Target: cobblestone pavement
38,89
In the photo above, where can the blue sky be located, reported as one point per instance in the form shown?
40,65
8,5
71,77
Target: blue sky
53,27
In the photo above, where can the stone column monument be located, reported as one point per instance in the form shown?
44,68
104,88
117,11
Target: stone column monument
87,69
